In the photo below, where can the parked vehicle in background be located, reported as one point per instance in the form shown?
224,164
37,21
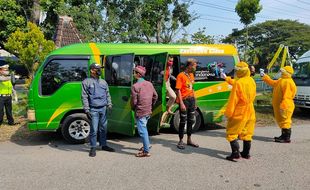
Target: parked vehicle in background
302,80
55,92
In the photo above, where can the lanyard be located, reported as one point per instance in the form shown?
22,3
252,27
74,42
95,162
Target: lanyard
189,78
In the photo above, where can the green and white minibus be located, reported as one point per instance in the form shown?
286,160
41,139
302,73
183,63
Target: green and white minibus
54,101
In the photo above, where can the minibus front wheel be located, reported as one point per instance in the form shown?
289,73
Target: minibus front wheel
176,121
75,128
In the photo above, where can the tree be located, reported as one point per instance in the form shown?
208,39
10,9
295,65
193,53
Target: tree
53,9
183,39
148,20
161,20
201,38
246,9
29,45
267,36
11,18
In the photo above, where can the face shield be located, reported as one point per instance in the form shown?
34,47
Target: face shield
284,73
242,71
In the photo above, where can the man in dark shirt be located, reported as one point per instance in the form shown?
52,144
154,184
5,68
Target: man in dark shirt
96,100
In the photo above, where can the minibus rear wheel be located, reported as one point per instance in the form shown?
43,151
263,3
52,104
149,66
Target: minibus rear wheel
176,121
75,128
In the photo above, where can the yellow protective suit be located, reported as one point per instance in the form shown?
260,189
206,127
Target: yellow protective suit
240,109
229,80
284,90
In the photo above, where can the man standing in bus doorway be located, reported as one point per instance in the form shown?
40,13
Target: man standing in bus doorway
187,102
143,97
240,112
96,100
6,90
284,90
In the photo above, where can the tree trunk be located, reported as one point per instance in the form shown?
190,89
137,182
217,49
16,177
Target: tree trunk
246,42
35,14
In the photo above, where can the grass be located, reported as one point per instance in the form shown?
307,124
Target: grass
19,114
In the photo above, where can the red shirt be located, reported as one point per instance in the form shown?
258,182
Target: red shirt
143,96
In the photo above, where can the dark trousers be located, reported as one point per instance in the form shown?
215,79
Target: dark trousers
187,117
6,102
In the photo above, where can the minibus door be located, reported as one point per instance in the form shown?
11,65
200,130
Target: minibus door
157,75
118,74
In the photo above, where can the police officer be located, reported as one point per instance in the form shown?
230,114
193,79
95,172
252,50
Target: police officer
96,100
6,89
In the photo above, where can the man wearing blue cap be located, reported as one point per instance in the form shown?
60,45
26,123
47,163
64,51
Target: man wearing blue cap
96,100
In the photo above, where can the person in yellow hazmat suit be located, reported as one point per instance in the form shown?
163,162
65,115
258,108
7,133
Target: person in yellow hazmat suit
284,90
240,112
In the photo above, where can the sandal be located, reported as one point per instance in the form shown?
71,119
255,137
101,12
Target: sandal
141,149
180,145
143,154
193,145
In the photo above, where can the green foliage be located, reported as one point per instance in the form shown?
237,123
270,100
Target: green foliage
246,9
29,45
88,18
53,8
266,37
160,20
201,38
10,18
183,40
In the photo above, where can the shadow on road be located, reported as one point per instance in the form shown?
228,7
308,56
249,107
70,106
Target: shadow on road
24,137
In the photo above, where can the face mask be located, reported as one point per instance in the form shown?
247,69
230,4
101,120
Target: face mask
5,72
252,73
98,72
170,63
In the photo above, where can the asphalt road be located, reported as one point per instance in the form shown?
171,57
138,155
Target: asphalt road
47,162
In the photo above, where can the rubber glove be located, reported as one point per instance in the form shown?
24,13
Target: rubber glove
261,72
223,75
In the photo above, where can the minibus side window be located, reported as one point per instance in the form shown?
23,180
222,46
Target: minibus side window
58,72
208,67
118,70
157,73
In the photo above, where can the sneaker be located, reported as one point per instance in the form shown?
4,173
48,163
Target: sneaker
106,148
92,152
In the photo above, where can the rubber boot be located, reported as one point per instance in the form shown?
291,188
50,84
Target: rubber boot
286,136
279,137
235,154
246,150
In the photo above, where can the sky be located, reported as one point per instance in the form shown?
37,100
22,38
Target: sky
219,16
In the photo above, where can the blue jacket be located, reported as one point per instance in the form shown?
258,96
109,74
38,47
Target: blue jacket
95,94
